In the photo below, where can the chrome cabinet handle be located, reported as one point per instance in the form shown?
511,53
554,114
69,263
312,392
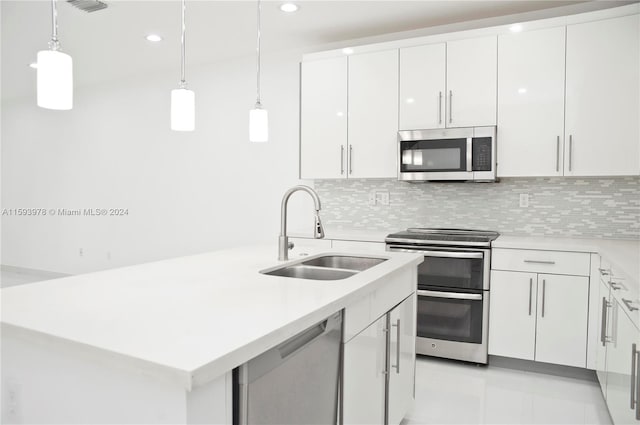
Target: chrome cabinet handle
616,286
439,107
557,153
450,106
539,262
341,159
397,365
544,287
603,322
604,272
634,370
350,159
570,150
628,304
530,293
449,295
637,353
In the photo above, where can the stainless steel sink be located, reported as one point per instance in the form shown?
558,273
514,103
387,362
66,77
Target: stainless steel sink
344,262
326,267
310,272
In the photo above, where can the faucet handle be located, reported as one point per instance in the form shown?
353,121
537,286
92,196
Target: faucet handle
291,245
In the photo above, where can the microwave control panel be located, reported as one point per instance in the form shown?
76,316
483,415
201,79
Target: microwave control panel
481,154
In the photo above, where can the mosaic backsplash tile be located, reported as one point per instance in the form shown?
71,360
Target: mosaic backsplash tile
585,207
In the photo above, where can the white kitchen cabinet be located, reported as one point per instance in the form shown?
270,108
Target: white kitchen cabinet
472,82
323,119
364,375
512,314
422,86
379,368
621,352
373,115
531,67
402,352
602,136
538,311
601,348
561,328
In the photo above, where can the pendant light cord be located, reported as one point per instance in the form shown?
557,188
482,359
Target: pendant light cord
54,44
183,82
258,104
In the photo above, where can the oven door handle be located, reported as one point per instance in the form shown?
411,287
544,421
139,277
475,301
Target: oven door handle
450,295
447,254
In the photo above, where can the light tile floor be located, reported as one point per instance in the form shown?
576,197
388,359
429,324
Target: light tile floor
449,392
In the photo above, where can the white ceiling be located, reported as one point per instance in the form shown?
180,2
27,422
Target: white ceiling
110,44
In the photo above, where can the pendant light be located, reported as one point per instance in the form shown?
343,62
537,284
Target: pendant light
54,80
182,100
258,117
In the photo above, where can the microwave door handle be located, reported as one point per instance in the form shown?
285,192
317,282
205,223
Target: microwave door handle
469,153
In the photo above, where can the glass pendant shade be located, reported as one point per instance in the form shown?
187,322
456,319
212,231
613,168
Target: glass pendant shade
183,110
54,80
258,125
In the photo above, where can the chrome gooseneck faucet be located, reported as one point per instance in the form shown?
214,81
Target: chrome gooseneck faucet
283,241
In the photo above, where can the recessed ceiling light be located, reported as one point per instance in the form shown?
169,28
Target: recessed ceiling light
410,100
289,7
153,37
515,28
33,65
522,90
347,50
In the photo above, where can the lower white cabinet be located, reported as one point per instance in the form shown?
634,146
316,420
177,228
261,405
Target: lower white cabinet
601,348
541,317
379,368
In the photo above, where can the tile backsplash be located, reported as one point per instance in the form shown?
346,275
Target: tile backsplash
571,207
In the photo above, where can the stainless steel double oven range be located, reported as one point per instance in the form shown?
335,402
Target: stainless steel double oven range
453,290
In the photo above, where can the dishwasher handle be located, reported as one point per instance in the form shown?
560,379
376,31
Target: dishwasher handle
297,342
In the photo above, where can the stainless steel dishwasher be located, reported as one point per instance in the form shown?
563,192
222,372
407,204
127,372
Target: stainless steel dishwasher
295,382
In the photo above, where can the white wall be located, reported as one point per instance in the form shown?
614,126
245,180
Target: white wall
185,192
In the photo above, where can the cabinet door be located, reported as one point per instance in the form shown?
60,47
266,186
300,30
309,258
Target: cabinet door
561,332
364,380
402,352
373,114
512,314
603,334
531,103
603,96
422,87
323,119
472,82
619,357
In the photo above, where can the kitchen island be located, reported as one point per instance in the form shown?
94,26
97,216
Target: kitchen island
156,343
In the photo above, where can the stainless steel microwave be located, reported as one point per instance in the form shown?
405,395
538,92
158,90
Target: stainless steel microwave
462,154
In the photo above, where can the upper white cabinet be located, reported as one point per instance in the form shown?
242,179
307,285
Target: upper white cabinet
358,138
373,114
531,103
449,84
323,119
602,135
423,86
472,82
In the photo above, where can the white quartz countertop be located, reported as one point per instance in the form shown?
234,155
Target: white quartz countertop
194,318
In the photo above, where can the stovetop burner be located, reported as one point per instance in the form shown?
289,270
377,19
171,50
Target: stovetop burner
436,236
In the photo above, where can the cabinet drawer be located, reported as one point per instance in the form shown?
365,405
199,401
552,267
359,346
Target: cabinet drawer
553,262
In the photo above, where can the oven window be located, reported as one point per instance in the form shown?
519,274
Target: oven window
434,155
450,319
460,273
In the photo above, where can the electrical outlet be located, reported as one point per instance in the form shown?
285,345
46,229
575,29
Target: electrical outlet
81,252
382,197
108,255
12,398
372,198
524,200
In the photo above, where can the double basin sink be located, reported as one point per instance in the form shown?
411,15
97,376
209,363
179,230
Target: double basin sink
326,267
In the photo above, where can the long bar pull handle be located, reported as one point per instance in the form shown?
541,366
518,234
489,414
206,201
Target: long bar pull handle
544,287
557,153
341,159
634,370
350,159
637,387
397,365
603,322
604,272
539,262
570,150
439,107
530,294
628,304
450,106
